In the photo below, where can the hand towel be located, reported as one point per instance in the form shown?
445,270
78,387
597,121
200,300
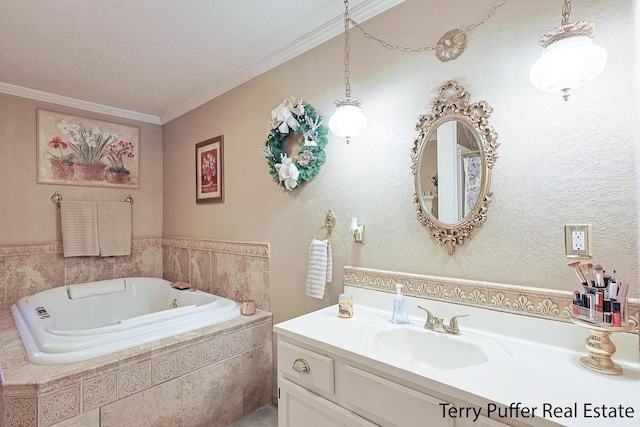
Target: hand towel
79,223
320,269
114,228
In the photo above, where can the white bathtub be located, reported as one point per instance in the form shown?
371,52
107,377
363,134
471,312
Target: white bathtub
111,315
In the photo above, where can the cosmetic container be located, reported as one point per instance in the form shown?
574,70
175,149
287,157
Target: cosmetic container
607,315
577,304
345,305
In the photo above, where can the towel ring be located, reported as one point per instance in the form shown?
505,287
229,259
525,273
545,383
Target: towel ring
329,225
56,199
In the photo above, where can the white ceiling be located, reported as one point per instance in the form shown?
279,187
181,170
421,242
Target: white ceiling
154,60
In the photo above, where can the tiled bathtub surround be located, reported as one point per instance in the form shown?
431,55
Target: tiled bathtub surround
212,376
544,303
220,267
30,268
236,270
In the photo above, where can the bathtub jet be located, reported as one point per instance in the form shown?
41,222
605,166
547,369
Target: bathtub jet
79,322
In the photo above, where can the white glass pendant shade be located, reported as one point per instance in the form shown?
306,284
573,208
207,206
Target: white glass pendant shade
348,121
568,64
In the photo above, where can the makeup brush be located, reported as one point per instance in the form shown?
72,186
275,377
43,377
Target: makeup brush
575,265
592,275
584,268
599,275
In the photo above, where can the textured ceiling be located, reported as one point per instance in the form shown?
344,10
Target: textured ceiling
154,60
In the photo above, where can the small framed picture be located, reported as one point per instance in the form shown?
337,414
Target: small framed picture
210,170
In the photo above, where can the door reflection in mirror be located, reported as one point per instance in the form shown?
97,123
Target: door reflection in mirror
452,175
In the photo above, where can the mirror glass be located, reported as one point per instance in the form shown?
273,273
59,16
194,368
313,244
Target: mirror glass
450,171
452,158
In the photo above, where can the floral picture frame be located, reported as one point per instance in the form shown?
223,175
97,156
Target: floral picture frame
74,150
210,170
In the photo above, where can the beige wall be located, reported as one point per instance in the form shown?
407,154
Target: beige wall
558,163
28,216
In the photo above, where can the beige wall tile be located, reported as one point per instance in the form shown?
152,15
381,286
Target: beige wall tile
200,269
175,264
88,419
59,405
29,274
233,344
212,396
164,367
99,391
191,358
89,269
20,411
213,350
256,378
134,378
144,261
159,406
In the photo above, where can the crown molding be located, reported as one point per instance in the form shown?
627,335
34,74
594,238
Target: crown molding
51,98
362,12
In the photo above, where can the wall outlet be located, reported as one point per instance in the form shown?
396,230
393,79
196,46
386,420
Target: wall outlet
578,240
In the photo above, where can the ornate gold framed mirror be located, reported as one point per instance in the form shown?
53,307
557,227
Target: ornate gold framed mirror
451,159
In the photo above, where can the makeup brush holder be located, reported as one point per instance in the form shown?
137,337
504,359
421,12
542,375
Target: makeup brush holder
600,347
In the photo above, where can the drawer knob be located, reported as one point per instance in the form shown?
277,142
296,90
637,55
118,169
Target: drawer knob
301,366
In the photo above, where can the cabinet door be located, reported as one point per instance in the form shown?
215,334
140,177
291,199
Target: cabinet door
299,407
390,404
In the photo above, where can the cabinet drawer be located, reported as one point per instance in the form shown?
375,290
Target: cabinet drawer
389,404
305,367
297,407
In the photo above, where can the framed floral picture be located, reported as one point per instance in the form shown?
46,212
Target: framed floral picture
75,150
210,170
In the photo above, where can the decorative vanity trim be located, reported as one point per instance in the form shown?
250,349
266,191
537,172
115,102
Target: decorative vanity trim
535,302
237,248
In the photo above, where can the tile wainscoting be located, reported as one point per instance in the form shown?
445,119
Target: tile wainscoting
30,268
235,270
212,376
536,302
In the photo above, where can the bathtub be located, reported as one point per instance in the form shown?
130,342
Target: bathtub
79,322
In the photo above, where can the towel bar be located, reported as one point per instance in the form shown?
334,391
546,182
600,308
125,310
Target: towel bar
56,199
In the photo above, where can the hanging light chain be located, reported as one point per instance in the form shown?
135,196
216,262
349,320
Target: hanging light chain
426,48
347,49
566,11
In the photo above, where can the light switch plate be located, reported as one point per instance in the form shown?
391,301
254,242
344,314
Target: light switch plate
578,240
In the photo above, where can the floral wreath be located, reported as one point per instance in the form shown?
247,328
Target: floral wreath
294,115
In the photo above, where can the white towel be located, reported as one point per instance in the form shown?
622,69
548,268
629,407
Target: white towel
102,287
79,223
114,228
320,268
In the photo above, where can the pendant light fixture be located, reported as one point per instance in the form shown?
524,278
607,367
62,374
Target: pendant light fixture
570,59
347,121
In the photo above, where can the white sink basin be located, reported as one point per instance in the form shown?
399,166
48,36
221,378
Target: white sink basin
414,345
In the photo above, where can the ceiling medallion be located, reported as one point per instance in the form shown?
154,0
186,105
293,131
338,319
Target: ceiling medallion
451,45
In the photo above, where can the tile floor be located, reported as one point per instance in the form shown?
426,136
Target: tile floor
265,417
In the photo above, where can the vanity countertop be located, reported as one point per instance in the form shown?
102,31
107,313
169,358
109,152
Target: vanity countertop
536,374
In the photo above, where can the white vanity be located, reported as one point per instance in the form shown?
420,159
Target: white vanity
365,371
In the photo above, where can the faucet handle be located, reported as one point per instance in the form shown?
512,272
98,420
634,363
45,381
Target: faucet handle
453,324
429,314
432,320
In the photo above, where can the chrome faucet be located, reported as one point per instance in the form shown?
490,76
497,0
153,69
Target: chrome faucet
437,324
